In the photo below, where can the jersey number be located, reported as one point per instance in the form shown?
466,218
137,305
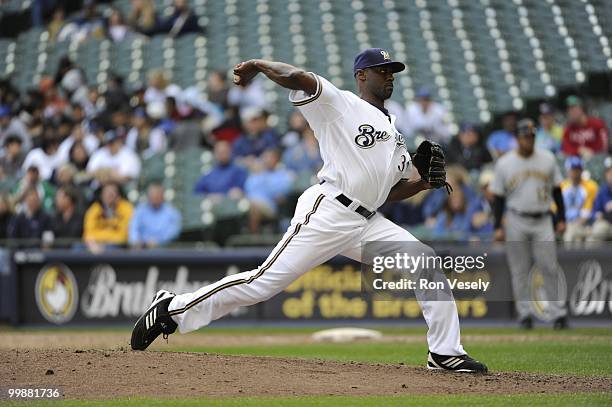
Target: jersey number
402,166
543,194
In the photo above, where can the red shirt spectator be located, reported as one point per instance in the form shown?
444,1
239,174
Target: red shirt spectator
583,132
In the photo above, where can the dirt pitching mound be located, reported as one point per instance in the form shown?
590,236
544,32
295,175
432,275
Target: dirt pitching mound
94,374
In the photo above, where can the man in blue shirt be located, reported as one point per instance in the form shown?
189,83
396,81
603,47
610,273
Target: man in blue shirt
155,222
602,209
503,140
225,177
265,189
257,136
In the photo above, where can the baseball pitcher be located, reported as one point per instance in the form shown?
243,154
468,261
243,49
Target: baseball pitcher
365,165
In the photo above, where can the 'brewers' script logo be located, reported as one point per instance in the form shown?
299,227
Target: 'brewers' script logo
385,55
368,136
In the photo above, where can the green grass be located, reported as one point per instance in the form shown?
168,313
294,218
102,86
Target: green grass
591,355
471,400
584,358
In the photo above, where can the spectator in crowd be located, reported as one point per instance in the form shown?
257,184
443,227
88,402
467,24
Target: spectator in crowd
68,220
467,150
217,88
427,118
304,156
39,10
249,95
550,133
117,29
464,217
602,209
32,179
457,177
501,141
142,17
87,24
181,21
6,215
74,87
79,157
266,189
578,197
11,125
31,221
45,158
54,102
297,125
115,97
114,162
67,176
63,126
94,105
155,223
157,84
107,220
78,135
144,139
453,221
56,24
225,178
583,135
256,137
480,209
11,158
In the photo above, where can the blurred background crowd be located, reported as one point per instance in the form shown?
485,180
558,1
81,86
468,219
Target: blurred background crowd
95,165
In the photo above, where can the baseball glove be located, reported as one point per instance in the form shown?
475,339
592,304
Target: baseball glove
429,161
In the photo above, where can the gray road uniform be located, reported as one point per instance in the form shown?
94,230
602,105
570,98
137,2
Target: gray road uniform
527,184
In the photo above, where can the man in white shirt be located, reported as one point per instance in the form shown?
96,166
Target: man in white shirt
114,162
78,134
427,119
12,125
365,164
46,158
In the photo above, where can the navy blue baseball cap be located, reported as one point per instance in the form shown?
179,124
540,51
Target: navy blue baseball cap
372,57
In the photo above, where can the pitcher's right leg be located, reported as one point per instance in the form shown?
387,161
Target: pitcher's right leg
318,232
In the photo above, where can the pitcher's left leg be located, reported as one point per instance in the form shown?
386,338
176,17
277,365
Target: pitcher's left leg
443,336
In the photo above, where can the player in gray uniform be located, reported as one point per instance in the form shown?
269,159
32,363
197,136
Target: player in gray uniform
525,183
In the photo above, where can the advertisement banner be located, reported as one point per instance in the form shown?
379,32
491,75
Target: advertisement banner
64,288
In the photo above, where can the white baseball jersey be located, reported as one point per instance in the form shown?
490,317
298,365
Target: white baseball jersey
527,183
363,154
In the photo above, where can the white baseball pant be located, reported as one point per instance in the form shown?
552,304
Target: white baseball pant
321,228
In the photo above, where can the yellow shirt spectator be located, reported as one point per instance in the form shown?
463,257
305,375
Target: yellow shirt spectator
107,221
579,198
108,229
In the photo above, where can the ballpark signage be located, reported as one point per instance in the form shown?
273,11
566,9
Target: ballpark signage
57,295
592,293
67,288
106,295
93,289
